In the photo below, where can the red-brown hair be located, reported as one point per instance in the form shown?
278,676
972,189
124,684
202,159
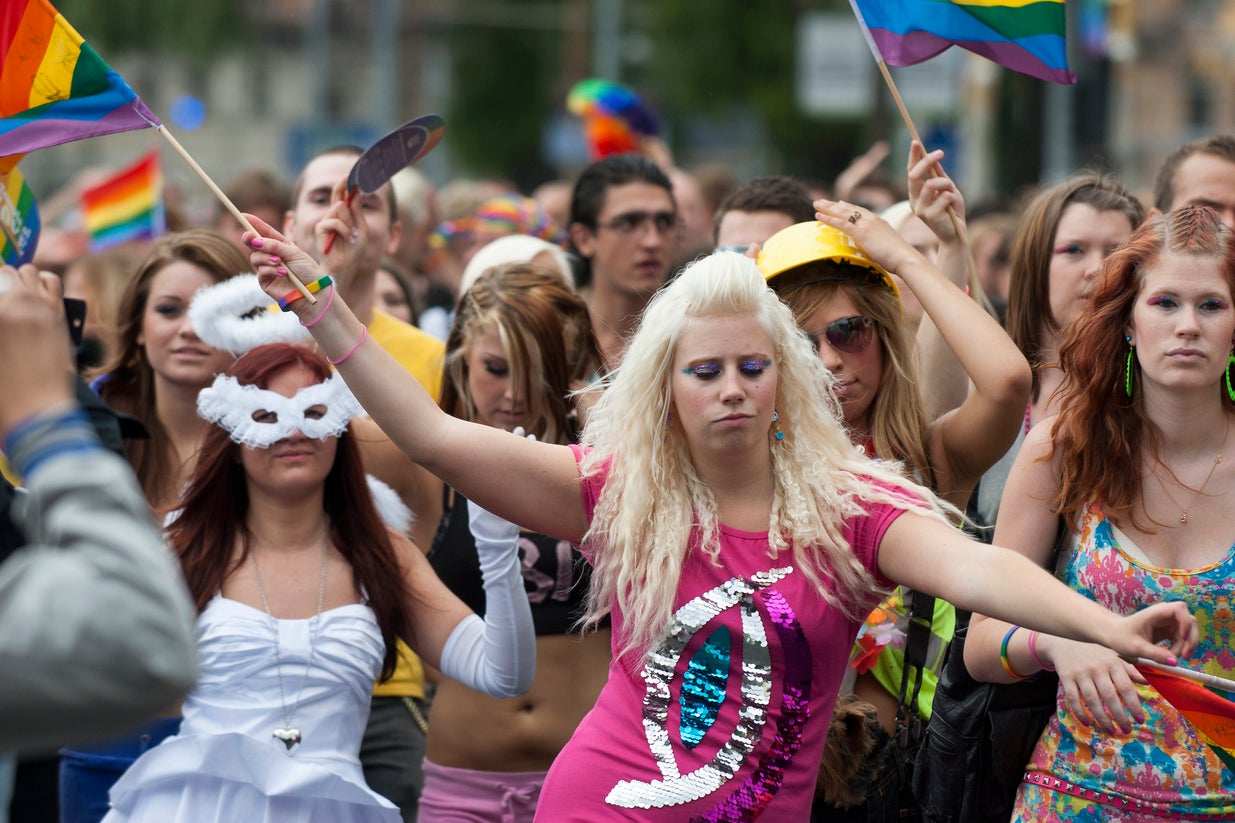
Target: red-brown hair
216,502
1101,433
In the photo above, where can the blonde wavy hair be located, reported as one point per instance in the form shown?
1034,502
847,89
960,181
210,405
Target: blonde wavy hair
654,507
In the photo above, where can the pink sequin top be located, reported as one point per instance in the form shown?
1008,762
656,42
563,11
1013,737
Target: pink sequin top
726,721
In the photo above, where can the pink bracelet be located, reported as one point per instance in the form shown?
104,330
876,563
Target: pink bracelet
364,333
329,300
1032,642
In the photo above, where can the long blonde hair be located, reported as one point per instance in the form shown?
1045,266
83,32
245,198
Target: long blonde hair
654,506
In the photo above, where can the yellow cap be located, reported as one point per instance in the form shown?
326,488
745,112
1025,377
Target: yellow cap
813,241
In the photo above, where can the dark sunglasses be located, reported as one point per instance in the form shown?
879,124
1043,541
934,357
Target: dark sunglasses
848,334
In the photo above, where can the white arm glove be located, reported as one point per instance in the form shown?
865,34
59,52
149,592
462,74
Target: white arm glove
496,655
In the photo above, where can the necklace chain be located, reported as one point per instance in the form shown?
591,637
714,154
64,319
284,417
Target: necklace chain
290,735
1183,515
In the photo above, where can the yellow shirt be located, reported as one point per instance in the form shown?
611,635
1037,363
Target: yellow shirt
422,355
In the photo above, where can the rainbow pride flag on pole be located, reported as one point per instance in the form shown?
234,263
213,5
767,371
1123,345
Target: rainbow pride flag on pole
128,206
54,88
19,220
1027,36
1212,714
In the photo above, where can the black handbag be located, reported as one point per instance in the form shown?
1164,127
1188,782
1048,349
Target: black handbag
980,737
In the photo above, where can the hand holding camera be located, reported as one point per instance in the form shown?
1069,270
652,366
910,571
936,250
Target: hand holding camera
35,357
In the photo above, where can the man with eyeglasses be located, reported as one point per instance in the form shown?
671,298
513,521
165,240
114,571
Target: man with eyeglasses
624,225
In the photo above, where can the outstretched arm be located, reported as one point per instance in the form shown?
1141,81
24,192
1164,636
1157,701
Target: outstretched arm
533,484
966,442
1098,685
929,555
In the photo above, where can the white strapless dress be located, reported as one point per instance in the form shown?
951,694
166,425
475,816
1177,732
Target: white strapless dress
226,766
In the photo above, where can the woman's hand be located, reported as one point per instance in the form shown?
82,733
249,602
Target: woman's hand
1097,684
872,233
931,197
273,256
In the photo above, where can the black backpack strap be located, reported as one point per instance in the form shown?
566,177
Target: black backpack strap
917,646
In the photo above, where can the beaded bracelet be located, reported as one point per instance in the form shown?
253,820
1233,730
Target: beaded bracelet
1033,652
292,296
1003,656
364,333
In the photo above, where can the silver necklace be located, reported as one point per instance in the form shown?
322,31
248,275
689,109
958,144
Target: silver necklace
289,735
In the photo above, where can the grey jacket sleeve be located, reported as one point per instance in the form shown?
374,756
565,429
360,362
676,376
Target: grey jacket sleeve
96,625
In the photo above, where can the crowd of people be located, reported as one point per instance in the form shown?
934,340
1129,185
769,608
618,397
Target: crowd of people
574,504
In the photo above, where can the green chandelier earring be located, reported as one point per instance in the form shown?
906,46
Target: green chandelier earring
1230,390
1128,369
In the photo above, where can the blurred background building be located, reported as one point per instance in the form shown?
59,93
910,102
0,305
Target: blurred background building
784,87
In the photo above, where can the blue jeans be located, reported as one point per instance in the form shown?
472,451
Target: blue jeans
88,773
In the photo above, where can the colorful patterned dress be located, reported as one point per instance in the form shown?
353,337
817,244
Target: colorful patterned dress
1162,769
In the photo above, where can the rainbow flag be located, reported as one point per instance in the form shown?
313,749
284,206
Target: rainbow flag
128,206
1022,35
54,88
1212,714
19,220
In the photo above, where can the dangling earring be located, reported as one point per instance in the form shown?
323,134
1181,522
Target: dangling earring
779,433
1230,390
668,426
1128,368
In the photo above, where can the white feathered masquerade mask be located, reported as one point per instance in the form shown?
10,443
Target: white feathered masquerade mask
236,315
259,418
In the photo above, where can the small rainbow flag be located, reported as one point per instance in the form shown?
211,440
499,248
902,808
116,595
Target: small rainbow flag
54,88
1023,35
19,220
128,206
1212,714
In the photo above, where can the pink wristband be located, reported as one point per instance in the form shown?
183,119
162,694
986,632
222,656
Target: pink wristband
1032,642
329,300
364,333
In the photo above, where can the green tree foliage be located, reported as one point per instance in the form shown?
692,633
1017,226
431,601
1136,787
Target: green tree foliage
502,82
197,28
725,55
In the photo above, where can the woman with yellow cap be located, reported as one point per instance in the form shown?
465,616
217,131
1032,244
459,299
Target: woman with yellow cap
836,276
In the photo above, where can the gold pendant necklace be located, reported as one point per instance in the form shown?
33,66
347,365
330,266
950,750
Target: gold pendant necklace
288,734
1183,515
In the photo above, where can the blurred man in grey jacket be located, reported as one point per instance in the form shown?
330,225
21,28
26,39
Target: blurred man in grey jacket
96,626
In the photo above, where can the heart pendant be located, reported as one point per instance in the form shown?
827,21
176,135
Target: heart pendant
290,737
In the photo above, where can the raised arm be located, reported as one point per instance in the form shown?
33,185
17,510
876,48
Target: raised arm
967,441
533,484
1096,682
96,626
935,198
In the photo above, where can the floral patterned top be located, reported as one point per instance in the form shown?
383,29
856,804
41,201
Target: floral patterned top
1163,763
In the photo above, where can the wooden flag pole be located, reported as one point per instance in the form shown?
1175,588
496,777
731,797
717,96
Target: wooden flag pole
225,200
975,288
1203,678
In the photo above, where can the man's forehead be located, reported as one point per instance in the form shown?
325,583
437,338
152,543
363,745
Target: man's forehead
326,171
637,196
1205,177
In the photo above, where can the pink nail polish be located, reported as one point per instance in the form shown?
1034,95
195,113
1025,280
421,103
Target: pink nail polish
282,272
274,259
256,242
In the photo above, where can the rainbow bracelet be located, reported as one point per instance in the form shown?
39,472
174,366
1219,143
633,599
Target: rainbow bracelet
292,296
1003,656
